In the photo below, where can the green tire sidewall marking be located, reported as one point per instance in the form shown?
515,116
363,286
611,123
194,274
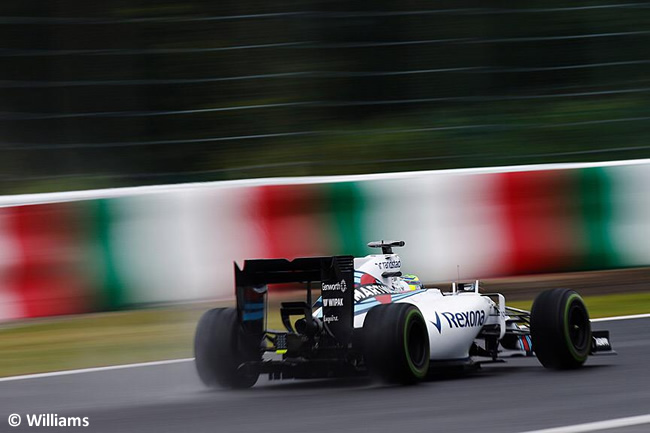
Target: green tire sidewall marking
578,357
417,372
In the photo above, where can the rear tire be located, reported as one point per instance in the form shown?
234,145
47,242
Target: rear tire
560,329
220,347
396,343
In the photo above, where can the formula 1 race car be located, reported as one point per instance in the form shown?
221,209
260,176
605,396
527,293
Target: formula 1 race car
372,319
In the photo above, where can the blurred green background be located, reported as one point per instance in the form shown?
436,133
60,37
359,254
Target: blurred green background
120,93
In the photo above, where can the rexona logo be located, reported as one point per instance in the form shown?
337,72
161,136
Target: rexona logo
342,287
465,319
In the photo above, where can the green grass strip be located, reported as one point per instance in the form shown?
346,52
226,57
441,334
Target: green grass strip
607,305
148,335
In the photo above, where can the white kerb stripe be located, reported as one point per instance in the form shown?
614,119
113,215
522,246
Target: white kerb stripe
612,319
94,369
598,425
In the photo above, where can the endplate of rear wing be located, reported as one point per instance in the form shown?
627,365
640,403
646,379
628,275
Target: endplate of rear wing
336,277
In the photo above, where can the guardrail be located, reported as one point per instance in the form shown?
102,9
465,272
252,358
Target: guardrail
102,250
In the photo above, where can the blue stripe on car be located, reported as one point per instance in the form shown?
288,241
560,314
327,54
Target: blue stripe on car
254,315
367,304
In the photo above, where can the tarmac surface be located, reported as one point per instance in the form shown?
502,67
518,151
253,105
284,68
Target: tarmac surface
518,396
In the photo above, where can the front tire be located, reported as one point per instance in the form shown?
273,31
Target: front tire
560,329
396,343
220,347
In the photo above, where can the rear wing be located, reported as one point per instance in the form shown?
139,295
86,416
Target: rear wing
336,277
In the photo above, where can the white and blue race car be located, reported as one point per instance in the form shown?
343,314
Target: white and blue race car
372,319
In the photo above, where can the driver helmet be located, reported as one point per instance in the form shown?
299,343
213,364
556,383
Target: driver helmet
413,282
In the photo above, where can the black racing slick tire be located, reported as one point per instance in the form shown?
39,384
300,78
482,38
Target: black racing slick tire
560,329
220,347
396,343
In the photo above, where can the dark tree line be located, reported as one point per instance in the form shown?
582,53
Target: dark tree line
97,94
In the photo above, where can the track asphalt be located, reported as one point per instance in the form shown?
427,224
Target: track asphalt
517,396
